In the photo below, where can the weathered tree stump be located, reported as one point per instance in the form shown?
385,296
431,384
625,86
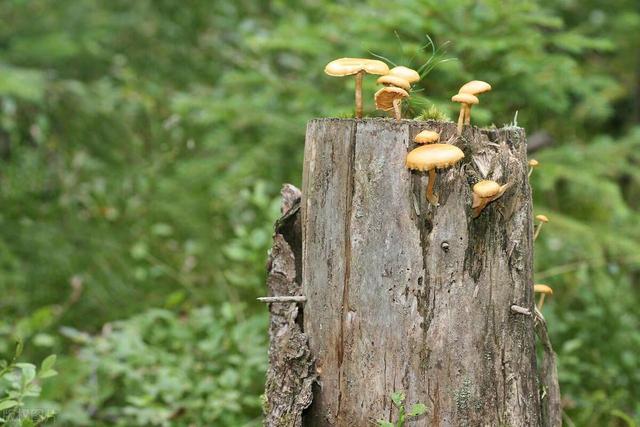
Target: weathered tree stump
402,295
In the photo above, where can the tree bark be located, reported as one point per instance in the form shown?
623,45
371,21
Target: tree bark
403,295
290,374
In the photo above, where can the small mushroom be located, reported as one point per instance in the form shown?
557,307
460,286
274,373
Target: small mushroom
485,192
389,80
406,73
389,98
474,87
544,290
543,220
431,157
358,66
533,163
466,100
427,137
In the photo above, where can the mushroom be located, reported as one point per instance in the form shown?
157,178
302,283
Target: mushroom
544,290
389,98
485,192
430,157
543,219
358,66
389,80
406,73
427,137
533,163
466,100
474,87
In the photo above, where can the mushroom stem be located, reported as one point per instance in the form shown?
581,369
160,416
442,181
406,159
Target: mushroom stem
478,209
432,180
535,235
396,108
359,76
530,171
467,114
541,301
461,118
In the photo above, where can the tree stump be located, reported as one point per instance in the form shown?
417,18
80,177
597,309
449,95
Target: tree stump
402,295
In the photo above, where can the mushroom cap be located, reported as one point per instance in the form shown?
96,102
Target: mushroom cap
397,81
385,96
406,73
465,98
486,188
427,157
533,163
348,66
475,87
542,289
427,137
542,218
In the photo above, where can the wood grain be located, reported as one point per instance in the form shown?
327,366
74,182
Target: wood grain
406,296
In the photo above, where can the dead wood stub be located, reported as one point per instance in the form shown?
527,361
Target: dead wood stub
402,295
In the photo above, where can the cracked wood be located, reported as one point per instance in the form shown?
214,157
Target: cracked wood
404,295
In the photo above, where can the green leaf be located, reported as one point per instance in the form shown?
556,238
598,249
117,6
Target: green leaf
28,371
48,373
19,348
7,404
22,83
48,363
417,409
397,398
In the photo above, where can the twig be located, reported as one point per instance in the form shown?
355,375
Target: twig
292,298
520,310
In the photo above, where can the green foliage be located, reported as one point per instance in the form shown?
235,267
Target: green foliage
160,368
433,113
142,145
398,398
588,253
19,382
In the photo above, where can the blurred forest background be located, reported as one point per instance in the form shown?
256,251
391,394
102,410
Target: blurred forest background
143,145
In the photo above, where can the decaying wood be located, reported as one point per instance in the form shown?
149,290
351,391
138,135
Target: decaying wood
550,399
406,296
290,374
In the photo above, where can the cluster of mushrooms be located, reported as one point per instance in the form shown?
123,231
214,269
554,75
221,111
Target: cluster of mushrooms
431,155
397,83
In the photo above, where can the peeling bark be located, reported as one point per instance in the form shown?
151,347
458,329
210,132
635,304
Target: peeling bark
550,399
290,374
406,296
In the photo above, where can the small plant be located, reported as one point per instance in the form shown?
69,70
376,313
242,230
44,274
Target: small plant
19,381
433,113
398,398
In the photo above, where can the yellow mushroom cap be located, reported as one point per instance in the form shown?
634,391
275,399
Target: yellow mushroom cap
427,137
542,218
388,79
465,98
533,163
406,73
348,66
475,87
486,188
385,96
427,157
542,289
